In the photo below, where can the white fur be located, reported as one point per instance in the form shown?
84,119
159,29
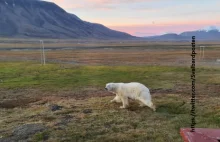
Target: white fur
133,90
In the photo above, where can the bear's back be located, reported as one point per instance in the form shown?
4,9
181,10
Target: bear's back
136,85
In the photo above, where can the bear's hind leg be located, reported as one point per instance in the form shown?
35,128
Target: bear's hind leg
145,98
149,104
141,104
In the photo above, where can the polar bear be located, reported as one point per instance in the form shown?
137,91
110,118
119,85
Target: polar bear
132,90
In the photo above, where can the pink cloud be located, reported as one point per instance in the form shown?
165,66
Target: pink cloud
157,29
99,4
58,1
117,1
85,4
65,4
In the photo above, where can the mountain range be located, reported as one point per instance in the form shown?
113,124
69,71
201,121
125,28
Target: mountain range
208,33
41,19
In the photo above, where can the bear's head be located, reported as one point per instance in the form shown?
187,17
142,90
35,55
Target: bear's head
111,87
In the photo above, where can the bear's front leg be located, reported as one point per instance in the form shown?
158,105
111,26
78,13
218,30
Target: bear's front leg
112,101
124,102
116,99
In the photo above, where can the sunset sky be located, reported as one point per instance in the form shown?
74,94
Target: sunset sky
146,17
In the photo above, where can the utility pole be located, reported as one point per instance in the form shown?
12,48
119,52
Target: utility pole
43,60
202,52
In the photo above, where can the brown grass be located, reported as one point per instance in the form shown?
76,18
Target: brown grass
107,122
114,57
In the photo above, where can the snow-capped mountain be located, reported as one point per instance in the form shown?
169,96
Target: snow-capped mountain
206,33
210,28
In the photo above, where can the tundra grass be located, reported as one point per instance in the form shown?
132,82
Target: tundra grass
56,76
107,122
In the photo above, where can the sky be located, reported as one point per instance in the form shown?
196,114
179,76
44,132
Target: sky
146,17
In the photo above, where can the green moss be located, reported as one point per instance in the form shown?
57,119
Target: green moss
54,76
42,136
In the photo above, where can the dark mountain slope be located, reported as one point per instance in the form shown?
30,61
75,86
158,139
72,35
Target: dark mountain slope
35,18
